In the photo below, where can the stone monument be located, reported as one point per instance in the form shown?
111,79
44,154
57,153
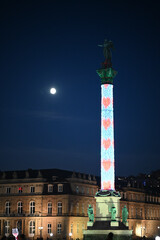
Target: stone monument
107,217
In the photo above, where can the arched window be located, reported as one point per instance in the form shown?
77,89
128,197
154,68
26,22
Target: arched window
59,210
49,208
31,227
7,207
32,207
19,208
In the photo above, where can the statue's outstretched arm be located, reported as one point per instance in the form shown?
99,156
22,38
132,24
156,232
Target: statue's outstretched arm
100,46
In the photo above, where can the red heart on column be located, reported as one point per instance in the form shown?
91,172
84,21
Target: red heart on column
106,164
106,101
106,123
106,143
106,185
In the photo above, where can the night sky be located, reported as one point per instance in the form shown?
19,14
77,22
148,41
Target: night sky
54,43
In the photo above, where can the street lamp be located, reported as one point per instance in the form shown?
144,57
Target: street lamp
51,234
40,228
70,235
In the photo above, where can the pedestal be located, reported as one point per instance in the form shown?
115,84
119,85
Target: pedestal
104,224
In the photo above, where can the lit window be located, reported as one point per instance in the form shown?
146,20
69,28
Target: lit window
49,208
32,189
59,208
82,226
31,227
72,228
49,228
19,208
7,226
59,228
32,207
50,188
60,187
20,189
7,208
8,190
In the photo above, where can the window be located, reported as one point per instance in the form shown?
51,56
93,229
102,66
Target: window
92,191
77,228
7,208
7,226
49,208
59,228
60,187
77,208
82,226
77,189
31,227
72,228
136,213
132,212
59,208
141,212
82,208
19,226
8,190
20,189
19,208
82,190
49,228
71,208
50,188
87,190
32,207
32,189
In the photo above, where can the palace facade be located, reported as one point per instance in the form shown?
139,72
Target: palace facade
53,203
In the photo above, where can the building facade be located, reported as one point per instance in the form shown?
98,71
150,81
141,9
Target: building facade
53,204
47,203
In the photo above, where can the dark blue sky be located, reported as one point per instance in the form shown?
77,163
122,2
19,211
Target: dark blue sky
55,43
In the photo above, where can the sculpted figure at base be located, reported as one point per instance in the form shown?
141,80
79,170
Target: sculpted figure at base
90,213
124,214
113,213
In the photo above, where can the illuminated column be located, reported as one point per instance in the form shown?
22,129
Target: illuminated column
107,129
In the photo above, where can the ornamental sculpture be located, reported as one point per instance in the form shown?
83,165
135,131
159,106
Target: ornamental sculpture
90,213
107,46
124,214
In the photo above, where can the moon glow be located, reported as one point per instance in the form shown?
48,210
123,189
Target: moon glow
52,90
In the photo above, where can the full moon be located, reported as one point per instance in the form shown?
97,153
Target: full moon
52,90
